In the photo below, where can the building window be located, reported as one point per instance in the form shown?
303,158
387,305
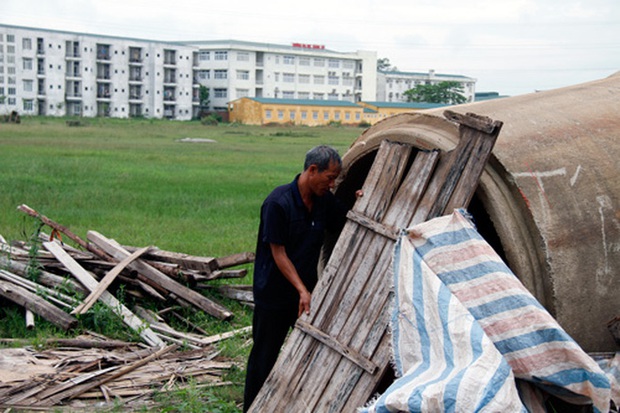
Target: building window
315,114
243,74
276,77
332,96
267,113
304,78
204,74
288,94
220,74
333,80
318,62
27,64
337,115
347,115
170,57
304,61
243,56
220,93
28,85
325,115
304,114
357,116
334,63
288,60
27,44
291,115
10,38
221,55
204,55
348,64
303,95
288,77
280,114
28,105
241,93
319,96
319,79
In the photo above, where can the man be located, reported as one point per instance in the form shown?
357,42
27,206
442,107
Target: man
293,220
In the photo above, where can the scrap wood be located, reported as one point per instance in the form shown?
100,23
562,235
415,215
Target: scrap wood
190,262
160,279
53,397
36,304
116,306
53,295
55,226
45,278
106,281
64,384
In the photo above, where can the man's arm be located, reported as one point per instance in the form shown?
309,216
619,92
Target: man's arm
287,268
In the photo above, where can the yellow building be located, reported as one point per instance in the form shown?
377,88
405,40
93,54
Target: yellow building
266,111
270,111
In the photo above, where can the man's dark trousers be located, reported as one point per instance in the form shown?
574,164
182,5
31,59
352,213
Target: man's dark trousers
269,330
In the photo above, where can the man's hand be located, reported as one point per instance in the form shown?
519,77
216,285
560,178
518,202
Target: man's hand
304,303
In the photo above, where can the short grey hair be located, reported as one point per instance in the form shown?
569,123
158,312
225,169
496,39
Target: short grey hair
322,156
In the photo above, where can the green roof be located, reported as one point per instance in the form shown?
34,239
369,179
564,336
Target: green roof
407,105
305,102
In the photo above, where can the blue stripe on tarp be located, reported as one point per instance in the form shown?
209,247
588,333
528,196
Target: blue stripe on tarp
452,388
443,306
503,304
447,238
570,376
531,339
473,271
495,384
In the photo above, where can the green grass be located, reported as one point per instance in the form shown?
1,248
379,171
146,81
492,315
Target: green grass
132,180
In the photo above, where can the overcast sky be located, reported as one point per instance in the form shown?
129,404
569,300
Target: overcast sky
509,46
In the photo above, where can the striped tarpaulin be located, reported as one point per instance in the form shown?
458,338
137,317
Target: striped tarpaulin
464,327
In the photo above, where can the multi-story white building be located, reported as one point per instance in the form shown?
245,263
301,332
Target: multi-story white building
392,85
58,73
235,69
48,72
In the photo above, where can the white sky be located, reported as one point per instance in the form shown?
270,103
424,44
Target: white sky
509,46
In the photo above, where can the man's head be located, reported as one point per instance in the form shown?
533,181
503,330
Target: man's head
322,156
322,167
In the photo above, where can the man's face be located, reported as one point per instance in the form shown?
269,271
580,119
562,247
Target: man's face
321,182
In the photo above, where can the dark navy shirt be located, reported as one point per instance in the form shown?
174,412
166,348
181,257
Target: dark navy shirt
285,220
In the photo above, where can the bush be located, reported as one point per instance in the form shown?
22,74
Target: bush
211,120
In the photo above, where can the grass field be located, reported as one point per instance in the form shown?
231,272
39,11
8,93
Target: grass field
132,180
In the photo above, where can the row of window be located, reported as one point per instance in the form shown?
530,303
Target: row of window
303,114
205,55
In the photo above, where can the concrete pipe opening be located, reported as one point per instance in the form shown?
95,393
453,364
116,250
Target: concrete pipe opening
548,198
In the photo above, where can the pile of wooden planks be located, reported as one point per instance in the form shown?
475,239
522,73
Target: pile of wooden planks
59,282
104,370
166,277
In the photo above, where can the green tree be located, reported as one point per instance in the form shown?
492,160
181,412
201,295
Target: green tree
448,92
203,96
384,65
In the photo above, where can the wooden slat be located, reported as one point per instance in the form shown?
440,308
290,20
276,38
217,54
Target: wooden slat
106,281
328,340
37,305
116,306
160,279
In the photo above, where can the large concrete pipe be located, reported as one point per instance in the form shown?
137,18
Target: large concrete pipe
548,200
